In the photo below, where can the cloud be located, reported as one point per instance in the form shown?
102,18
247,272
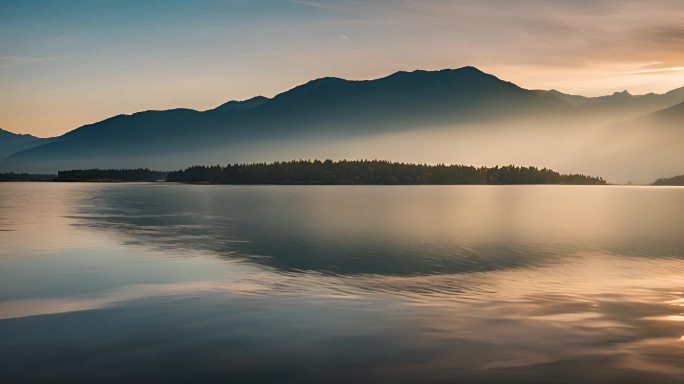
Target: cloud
657,70
560,33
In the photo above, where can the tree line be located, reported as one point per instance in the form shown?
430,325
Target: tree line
674,180
11,176
372,172
138,174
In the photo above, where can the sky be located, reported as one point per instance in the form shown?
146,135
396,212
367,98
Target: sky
67,63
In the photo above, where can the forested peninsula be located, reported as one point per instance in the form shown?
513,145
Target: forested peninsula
327,172
674,180
111,175
372,172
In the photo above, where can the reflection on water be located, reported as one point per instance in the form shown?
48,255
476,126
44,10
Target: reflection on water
389,230
163,282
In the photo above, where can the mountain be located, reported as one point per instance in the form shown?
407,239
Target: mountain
460,115
327,108
621,102
11,143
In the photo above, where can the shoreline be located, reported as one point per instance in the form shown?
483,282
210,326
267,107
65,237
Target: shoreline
322,184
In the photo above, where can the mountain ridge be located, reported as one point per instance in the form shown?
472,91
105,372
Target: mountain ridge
318,105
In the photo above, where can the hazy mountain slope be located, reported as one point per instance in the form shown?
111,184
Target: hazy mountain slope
572,99
670,115
328,107
11,143
620,103
100,144
641,149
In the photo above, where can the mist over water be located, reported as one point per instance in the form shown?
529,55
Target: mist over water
178,283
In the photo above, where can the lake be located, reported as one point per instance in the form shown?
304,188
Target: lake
324,284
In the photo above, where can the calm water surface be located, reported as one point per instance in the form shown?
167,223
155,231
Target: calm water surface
178,283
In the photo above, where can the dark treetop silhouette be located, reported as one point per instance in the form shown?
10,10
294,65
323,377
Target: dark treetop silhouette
139,174
372,172
674,180
11,176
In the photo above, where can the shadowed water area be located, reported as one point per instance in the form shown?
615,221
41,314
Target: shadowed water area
436,284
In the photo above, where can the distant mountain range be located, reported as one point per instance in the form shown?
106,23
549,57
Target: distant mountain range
622,100
326,115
